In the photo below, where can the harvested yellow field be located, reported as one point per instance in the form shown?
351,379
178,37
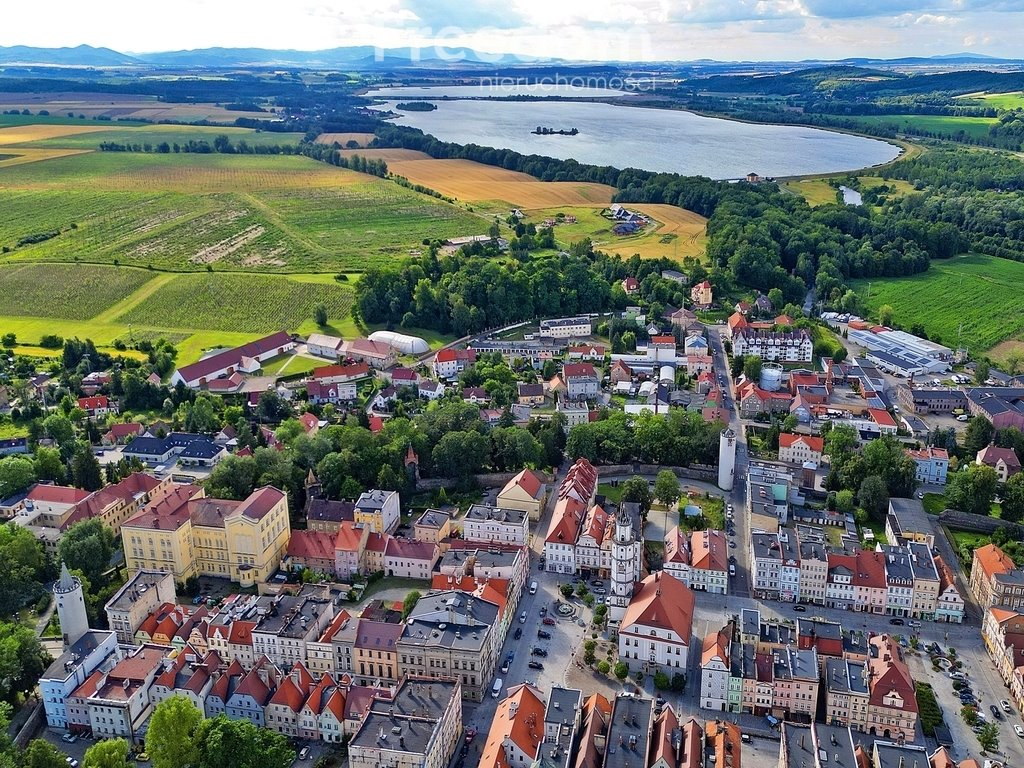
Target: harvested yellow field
22,156
362,139
21,134
473,182
387,155
679,232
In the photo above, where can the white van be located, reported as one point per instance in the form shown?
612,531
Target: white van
533,587
496,688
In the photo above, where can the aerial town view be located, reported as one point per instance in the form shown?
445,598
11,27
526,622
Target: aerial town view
428,385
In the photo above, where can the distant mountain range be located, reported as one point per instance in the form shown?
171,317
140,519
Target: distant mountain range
368,57
362,56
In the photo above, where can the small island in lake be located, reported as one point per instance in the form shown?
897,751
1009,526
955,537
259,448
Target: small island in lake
541,130
417,106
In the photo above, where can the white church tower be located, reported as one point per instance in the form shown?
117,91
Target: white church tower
74,619
625,566
726,459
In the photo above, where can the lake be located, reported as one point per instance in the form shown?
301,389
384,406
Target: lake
653,139
497,88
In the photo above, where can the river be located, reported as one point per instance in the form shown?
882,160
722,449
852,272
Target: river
652,139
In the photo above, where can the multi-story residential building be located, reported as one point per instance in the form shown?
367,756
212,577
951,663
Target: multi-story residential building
813,572
560,544
49,506
949,605
996,580
817,745
566,328
515,735
115,503
890,709
380,511
932,464
1003,633
656,631
420,727
593,544
409,559
449,363
452,634
248,698
144,591
789,566
899,580
496,525
581,381
795,679
783,346
715,667
926,582
311,550
432,526
375,651
799,449
186,534
699,559
285,705
118,702
293,621
766,555
525,491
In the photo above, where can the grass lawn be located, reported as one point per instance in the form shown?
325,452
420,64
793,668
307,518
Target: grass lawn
979,292
612,493
815,191
970,539
290,364
9,429
712,508
934,503
394,582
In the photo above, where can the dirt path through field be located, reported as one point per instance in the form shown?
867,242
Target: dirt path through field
111,314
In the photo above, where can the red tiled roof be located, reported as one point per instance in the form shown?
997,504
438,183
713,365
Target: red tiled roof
92,403
450,355
368,348
816,444
311,545
661,601
56,494
528,481
232,357
993,560
573,370
407,549
118,431
881,417
309,421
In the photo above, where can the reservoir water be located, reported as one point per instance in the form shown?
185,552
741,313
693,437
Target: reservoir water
652,139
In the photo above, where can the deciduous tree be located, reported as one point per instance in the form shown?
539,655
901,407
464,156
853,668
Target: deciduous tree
170,740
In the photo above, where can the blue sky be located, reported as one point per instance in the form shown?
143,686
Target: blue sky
573,29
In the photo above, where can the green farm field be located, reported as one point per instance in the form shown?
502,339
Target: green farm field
979,292
188,212
1000,100
195,311
976,127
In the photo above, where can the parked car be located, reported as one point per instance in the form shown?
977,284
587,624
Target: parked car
505,667
69,738
597,583
1006,707
995,712
897,622
538,652
522,617
732,544
470,734
732,559
543,634
535,665
549,621
519,633
543,610
1019,731
600,591
304,753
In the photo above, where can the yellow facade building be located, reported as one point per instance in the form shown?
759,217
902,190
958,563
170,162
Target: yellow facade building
187,534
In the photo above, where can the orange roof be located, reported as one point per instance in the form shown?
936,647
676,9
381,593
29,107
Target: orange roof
57,494
881,417
330,371
349,537
662,747
528,481
816,444
311,545
661,601
92,403
889,673
870,571
241,632
715,646
993,560
318,696
520,719
1002,615
723,739
709,551
566,521
290,693
337,623
946,578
